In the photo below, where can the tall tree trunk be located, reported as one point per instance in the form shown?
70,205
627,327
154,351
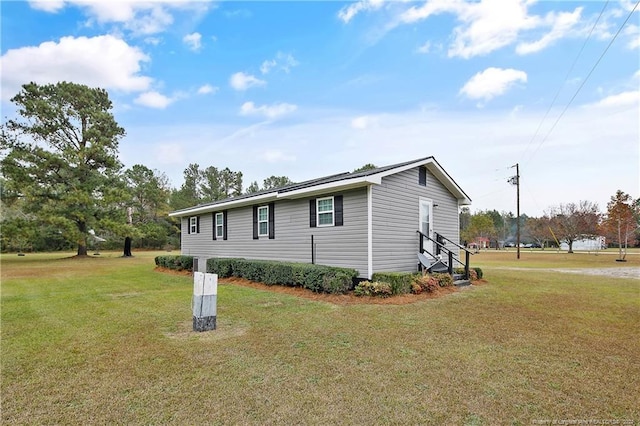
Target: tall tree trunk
82,241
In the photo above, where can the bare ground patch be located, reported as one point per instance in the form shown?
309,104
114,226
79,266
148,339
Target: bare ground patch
623,272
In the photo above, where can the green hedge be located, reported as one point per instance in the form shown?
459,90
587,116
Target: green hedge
400,281
478,271
179,263
318,278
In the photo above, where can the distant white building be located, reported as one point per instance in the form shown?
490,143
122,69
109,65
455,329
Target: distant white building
587,244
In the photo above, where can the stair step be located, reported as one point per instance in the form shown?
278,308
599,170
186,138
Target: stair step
461,283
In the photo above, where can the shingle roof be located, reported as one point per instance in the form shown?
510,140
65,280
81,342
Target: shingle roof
336,179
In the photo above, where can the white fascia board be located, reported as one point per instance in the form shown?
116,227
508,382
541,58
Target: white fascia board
340,185
405,167
439,172
231,203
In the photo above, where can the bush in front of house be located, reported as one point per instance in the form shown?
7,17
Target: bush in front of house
424,283
318,278
177,263
474,273
375,288
444,280
400,281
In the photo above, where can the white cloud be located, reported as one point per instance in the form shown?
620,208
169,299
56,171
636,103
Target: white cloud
418,13
633,33
242,81
488,25
154,99
268,111
193,41
561,24
51,6
282,61
276,156
623,99
102,61
206,89
169,153
363,122
492,82
347,13
139,17
425,48
267,65
154,41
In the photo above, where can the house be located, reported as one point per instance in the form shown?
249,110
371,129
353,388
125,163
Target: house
480,243
366,220
594,243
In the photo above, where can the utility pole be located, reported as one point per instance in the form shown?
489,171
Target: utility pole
515,180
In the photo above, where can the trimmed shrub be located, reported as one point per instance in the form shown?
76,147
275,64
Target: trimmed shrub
444,280
318,278
416,288
474,273
426,283
221,266
400,281
337,282
479,272
178,263
368,288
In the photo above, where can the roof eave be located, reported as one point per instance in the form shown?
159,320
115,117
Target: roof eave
341,185
271,196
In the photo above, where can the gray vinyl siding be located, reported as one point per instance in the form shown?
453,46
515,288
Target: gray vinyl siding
395,212
344,246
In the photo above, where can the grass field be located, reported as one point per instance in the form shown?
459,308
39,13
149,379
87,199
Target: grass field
108,340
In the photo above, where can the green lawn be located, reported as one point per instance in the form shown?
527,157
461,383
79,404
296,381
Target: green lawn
108,340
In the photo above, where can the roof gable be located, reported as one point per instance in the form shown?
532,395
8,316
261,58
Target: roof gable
337,182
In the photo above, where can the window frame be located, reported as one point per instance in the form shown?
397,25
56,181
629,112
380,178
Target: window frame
219,226
332,212
193,225
265,221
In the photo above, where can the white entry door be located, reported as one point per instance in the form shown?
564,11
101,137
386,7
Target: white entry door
426,223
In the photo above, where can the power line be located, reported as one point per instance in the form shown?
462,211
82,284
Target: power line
585,80
566,77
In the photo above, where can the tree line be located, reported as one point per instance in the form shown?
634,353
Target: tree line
565,223
62,185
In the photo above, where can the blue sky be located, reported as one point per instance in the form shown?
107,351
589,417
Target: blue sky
306,89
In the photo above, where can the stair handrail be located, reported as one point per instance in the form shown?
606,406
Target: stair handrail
461,247
452,258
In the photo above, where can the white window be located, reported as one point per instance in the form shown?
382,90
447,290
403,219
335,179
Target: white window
193,225
219,225
263,221
325,211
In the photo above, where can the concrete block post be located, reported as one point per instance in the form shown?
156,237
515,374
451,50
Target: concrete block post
205,292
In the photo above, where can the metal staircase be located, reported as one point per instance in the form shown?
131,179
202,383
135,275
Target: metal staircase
444,258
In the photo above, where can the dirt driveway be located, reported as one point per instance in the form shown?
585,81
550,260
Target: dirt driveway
624,272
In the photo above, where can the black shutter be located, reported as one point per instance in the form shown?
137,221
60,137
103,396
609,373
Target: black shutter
197,224
213,217
188,225
272,233
337,208
312,213
224,225
255,222
422,176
